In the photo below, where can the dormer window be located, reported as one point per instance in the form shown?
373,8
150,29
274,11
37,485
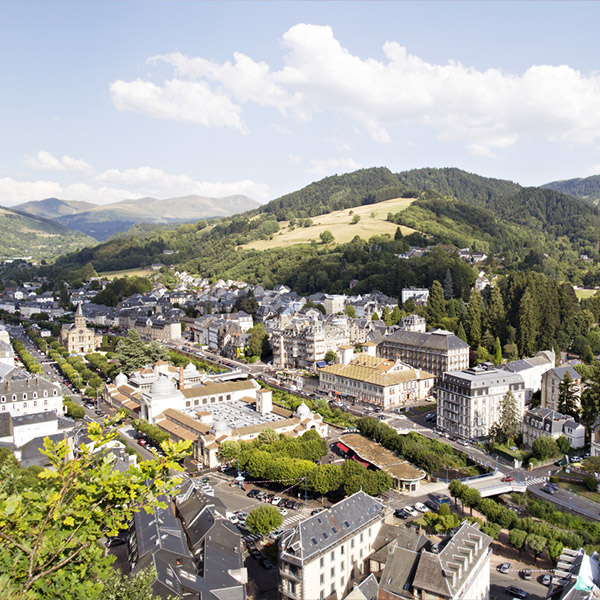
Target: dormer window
24,396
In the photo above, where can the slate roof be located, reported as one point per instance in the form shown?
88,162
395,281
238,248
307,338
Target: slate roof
435,339
41,417
6,427
399,572
318,533
561,371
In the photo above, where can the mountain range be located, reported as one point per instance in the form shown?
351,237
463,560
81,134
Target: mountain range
103,221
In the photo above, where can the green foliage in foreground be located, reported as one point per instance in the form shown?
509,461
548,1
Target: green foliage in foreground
50,530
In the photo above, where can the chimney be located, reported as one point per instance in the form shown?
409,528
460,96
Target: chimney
181,382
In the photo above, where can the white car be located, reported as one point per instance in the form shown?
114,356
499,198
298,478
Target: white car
276,501
421,507
411,511
283,512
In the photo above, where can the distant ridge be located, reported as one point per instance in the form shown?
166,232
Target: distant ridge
581,187
101,222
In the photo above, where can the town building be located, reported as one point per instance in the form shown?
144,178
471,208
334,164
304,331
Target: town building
305,341
595,438
27,395
436,351
382,382
77,338
551,381
321,556
576,576
405,477
545,422
469,401
207,427
532,371
413,323
458,568
419,296
203,560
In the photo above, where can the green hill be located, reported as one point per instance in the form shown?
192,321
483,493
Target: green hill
27,235
53,208
587,187
454,208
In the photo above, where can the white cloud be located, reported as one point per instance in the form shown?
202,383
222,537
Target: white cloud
114,185
295,159
486,110
44,161
147,181
178,100
330,166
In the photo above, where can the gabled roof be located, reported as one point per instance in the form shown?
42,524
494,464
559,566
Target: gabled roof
319,532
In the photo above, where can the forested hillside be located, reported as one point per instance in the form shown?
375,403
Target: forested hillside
533,228
27,235
586,187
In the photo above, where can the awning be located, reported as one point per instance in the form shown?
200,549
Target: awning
321,364
364,463
343,447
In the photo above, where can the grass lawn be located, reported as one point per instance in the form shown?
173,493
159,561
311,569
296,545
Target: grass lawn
584,293
581,490
372,222
127,273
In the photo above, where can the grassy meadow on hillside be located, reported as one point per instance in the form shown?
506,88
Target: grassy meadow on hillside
372,222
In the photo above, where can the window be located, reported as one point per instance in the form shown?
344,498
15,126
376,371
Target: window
322,579
352,543
333,555
321,562
333,588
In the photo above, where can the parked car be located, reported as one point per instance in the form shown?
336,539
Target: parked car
141,442
283,511
515,591
421,507
431,505
400,513
269,498
411,511
547,579
253,493
275,500
507,478
504,568
525,574
266,563
430,417
316,511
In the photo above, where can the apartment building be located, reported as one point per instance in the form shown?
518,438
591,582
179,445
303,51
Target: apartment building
545,422
551,381
321,556
436,351
383,382
469,401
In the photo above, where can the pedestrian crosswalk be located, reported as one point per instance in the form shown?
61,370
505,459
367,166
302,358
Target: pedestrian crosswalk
289,521
535,480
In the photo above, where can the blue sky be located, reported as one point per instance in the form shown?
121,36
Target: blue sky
103,101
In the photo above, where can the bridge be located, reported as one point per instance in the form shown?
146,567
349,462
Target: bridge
505,487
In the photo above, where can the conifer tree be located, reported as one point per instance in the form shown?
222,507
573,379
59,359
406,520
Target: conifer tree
396,316
386,316
436,305
461,333
474,311
567,396
528,324
448,285
494,313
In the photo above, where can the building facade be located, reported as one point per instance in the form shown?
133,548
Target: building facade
551,381
77,338
436,351
320,556
382,382
545,422
469,401
30,395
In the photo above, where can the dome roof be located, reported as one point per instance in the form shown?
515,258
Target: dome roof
219,427
303,410
121,379
162,386
190,368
